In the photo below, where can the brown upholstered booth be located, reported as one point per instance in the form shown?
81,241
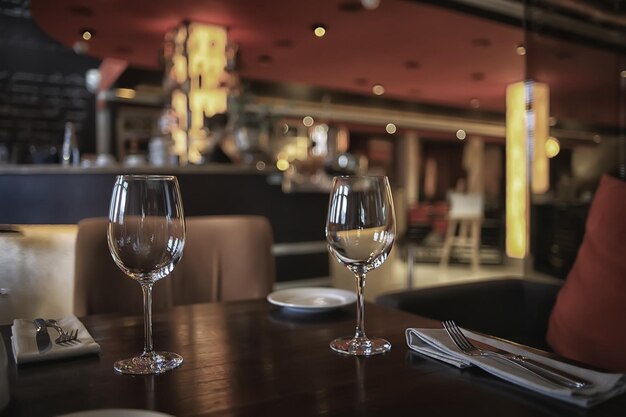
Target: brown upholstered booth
225,258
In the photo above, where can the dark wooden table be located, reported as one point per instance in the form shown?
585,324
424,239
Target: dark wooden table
252,359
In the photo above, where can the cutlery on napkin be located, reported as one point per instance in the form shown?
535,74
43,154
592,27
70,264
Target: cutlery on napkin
25,341
436,343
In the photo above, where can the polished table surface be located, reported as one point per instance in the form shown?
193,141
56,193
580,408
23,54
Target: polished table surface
250,358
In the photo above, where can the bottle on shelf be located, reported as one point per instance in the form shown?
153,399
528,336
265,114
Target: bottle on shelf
71,154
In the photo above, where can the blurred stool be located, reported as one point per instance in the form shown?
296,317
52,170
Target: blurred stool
466,211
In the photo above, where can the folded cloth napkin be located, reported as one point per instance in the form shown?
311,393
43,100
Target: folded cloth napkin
25,346
436,343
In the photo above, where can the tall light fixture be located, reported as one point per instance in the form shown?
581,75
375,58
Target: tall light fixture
527,169
195,78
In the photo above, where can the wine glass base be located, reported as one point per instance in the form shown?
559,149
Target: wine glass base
360,346
149,363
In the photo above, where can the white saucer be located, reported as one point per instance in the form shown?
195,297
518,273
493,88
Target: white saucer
116,412
312,300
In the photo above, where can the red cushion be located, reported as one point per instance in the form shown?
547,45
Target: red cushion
587,323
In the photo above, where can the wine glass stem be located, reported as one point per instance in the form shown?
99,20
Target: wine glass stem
146,289
360,307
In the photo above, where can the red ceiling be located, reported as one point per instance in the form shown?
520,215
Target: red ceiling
455,56
361,47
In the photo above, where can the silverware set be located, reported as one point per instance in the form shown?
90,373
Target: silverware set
64,336
43,338
541,370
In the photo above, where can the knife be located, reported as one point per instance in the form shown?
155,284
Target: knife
540,367
42,337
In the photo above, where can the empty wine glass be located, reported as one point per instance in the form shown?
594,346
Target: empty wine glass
146,236
360,230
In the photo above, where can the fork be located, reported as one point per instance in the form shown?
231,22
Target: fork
64,337
551,375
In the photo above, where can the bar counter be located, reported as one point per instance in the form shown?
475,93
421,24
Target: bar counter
65,195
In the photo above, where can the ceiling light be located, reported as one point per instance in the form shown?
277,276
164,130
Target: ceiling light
460,134
521,50
319,30
308,121
552,147
597,138
390,128
378,89
87,34
474,103
623,74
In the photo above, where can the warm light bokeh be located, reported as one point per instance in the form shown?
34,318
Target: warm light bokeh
196,60
527,125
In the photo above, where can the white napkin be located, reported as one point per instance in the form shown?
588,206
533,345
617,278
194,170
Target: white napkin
25,346
437,344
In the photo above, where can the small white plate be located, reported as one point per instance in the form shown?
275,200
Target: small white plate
312,300
116,412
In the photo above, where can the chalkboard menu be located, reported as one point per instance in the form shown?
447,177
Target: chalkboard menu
42,86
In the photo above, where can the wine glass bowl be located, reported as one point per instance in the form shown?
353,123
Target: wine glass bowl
146,237
146,260
360,231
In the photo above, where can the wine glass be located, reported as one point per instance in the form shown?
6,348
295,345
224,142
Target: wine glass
360,230
146,236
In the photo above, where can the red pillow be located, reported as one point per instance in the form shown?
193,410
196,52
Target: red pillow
587,323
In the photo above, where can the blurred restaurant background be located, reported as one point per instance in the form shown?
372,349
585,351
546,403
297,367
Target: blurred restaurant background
255,106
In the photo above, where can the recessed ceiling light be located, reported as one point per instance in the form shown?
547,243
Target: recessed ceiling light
319,30
460,134
597,138
86,34
378,90
623,74
520,50
474,103
308,121
390,128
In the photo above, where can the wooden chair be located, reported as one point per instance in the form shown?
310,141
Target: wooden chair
466,212
225,258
